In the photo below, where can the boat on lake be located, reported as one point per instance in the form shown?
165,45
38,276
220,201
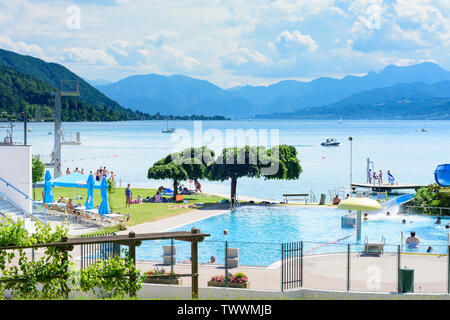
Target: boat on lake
168,130
330,142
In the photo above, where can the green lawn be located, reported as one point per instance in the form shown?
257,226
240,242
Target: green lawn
140,213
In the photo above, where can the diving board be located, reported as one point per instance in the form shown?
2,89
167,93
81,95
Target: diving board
382,187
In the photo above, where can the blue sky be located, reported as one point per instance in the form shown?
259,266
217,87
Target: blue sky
234,42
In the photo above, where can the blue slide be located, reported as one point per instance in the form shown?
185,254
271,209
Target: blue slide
442,175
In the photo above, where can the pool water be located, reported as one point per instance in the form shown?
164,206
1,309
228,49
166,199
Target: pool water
259,231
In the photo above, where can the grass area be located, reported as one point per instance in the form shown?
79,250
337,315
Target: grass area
139,213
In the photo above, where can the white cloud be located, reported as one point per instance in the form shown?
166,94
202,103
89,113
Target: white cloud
87,56
22,47
238,55
296,40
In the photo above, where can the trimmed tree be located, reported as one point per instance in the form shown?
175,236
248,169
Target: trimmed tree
279,162
189,164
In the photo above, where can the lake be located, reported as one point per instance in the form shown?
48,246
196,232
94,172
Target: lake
130,148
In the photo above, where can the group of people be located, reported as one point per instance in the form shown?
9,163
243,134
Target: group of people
98,175
378,178
158,197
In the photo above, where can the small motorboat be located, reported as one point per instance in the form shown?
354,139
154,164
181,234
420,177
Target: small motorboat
330,142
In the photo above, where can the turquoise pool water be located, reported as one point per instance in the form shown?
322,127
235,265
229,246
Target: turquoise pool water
259,231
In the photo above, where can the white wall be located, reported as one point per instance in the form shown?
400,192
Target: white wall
15,167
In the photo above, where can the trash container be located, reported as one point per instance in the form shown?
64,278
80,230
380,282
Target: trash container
322,199
406,280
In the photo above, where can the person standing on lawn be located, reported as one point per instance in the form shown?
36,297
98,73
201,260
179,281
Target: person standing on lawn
128,196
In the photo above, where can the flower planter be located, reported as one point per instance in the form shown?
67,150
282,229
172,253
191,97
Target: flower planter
164,281
243,285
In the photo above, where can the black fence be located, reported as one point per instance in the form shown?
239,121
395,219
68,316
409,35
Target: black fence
92,252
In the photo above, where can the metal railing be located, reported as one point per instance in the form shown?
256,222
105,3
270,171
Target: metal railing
35,207
442,211
372,266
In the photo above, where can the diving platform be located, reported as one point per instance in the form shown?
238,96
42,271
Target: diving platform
386,187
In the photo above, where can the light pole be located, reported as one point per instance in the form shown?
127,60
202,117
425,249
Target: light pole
351,158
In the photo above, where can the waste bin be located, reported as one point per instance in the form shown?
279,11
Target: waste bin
322,199
406,280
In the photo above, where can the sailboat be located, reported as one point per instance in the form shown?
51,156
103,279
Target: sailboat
424,129
340,120
168,130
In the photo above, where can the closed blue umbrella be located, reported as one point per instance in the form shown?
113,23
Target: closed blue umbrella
104,206
48,192
89,204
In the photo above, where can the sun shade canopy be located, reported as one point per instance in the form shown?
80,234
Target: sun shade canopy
73,180
366,204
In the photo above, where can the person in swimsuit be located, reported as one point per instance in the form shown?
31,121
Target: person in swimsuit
412,242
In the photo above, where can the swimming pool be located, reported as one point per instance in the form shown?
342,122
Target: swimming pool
258,232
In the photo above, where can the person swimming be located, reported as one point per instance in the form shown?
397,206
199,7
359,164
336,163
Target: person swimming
438,220
412,242
366,217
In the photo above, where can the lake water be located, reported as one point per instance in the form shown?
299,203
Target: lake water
130,148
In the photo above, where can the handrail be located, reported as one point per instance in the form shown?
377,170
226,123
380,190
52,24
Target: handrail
445,208
18,206
12,186
7,198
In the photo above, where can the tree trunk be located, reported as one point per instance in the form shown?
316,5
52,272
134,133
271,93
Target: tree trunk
233,190
175,189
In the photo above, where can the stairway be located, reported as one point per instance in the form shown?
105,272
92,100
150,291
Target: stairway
7,209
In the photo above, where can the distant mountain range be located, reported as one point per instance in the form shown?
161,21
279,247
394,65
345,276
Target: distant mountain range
401,101
181,95
175,95
412,92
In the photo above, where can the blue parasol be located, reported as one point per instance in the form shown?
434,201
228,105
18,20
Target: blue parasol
48,192
104,206
89,204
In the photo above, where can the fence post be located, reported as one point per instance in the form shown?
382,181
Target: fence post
398,268
171,256
301,264
194,265
348,267
282,267
65,261
226,264
132,253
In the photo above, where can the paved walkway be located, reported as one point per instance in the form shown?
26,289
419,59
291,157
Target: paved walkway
329,272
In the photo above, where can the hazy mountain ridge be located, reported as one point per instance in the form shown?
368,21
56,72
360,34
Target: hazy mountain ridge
182,95
402,101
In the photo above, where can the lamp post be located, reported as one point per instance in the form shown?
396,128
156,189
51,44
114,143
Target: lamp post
351,158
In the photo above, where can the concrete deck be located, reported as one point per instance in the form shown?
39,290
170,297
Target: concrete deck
329,272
